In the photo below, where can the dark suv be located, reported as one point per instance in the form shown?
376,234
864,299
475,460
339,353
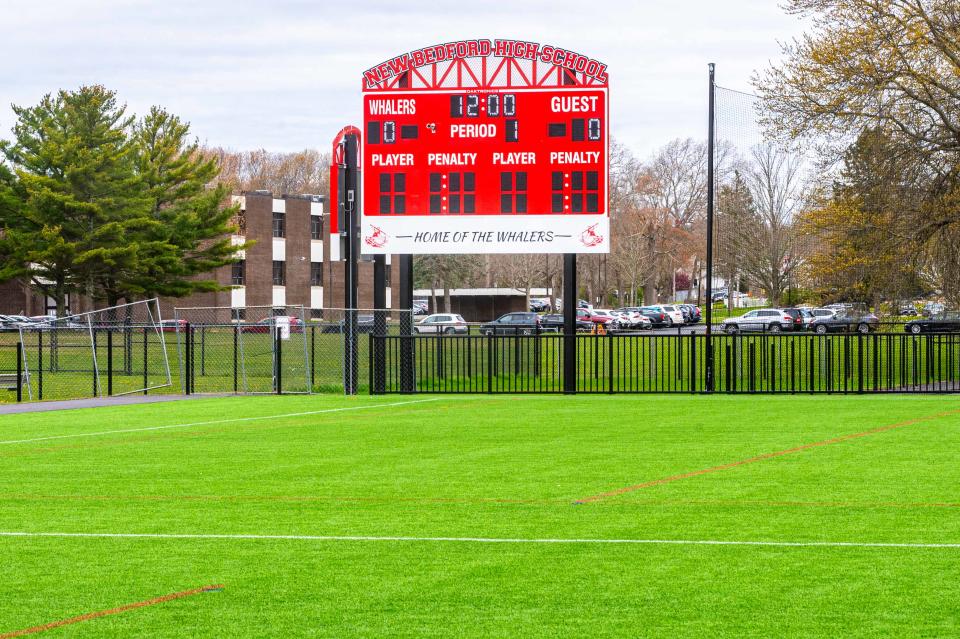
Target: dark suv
554,322
798,319
512,324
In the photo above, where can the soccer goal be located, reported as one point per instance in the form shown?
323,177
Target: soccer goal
118,350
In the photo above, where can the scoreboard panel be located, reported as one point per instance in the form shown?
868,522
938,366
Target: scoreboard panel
486,171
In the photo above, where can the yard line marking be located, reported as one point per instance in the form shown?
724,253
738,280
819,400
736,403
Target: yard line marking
488,540
483,500
763,457
217,421
112,611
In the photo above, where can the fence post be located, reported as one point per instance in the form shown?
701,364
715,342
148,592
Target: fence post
313,355
610,363
40,364
490,346
146,361
370,364
93,361
693,362
19,372
278,348
236,339
186,358
109,362
438,340
203,350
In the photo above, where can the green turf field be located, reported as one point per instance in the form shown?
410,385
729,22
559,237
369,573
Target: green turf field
507,483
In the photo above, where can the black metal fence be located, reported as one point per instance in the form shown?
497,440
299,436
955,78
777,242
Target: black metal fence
847,362
237,358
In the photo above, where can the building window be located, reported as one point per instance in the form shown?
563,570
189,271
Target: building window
239,314
316,273
279,224
279,273
316,313
240,221
239,275
316,227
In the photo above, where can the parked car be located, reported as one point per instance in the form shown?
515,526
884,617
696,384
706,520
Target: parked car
932,308
672,312
764,320
808,316
512,323
635,319
693,312
906,309
945,322
268,325
658,319
822,312
446,323
172,325
847,321
554,322
798,319
539,305
421,308
603,317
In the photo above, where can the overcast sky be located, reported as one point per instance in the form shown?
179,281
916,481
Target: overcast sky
285,74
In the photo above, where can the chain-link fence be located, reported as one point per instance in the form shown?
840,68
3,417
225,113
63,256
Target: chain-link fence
113,351
342,352
257,349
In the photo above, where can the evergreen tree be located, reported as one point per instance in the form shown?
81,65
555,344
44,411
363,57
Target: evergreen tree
82,200
191,231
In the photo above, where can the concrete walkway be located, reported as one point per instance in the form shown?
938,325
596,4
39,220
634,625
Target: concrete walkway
95,402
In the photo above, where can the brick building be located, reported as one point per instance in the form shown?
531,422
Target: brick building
288,264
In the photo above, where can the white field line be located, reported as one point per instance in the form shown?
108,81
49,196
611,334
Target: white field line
216,421
490,540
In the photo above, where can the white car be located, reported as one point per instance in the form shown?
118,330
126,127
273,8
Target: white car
634,319
674,313
447,323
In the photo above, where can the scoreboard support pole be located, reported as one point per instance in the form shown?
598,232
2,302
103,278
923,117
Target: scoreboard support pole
350,199
407,384
379,322
569,323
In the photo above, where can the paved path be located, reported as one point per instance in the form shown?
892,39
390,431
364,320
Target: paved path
39,407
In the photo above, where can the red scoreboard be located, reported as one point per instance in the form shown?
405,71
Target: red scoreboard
499,153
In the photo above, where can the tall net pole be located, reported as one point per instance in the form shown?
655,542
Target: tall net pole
708,380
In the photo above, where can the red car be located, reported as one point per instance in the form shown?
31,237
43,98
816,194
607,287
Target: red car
173,325
596,316
268,325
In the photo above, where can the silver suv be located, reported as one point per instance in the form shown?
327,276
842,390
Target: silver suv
765,320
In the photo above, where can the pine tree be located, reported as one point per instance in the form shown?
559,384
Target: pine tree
82,200
192,227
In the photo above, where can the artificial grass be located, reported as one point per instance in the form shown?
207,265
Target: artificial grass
499,467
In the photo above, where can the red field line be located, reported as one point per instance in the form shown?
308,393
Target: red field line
759,458
112,611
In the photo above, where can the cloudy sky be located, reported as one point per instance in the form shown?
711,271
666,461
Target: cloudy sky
285,74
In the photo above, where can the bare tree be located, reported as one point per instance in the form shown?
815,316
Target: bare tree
521,272
778,194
